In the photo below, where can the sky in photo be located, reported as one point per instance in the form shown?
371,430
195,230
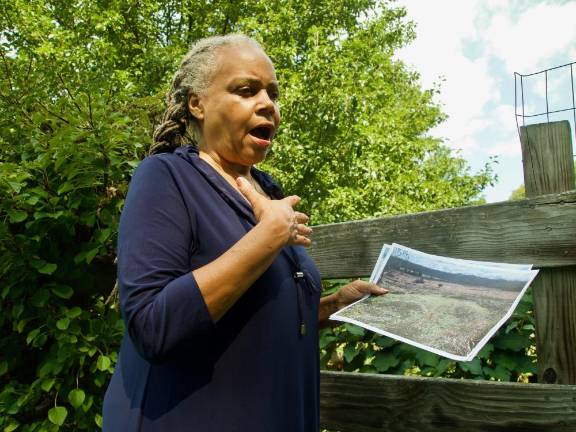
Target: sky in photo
470,49
473,268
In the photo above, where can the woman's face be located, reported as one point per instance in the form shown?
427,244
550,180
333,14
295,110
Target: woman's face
238,114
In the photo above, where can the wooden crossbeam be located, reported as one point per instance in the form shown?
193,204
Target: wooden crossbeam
353,402
539,231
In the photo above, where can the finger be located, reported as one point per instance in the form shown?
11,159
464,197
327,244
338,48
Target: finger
368,287
301,240
301,217
292,200
244,186
303,230
376,289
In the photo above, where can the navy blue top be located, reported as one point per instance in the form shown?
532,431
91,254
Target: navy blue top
177,370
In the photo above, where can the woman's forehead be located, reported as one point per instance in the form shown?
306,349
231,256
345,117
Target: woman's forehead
243,60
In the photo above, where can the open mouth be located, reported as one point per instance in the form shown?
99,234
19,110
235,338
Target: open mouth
262,132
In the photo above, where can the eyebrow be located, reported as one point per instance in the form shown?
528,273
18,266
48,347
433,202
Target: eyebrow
253,81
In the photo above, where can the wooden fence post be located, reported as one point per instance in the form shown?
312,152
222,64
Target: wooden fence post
548,168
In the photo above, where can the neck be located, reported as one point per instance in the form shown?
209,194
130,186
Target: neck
230,172
222,165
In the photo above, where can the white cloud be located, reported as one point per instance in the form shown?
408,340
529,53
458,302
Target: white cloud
473,47
525,43
438,55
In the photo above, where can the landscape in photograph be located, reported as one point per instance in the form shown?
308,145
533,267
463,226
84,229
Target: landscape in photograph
434,305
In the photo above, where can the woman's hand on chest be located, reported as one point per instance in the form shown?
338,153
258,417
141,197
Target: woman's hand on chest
286,226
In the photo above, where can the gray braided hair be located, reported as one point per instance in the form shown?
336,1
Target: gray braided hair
178,127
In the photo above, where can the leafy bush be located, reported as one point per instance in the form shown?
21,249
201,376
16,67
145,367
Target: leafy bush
61,196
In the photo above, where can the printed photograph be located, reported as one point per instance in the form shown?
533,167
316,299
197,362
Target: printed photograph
445,304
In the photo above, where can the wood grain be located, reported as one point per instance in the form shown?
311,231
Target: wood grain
539,231
549,167
368,403
554,292
547,158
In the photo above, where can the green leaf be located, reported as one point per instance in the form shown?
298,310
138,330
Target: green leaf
426,358
40,298
385,341
506,360
79,257
62,324
57,415
75,312
485,351
442,366
3,367
48,268
17,216
65,188
498,373
16,186
474,366
21,324
354,329
47,384
33,200
350,352
103,235
103,363
45,369
32,335
11,427
526,365
98,420
384,361
63,291
88,403
91,254
76,397
326,339
512,341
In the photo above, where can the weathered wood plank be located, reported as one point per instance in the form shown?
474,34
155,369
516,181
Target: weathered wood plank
549,167
554,292
540,231
547,158
369,403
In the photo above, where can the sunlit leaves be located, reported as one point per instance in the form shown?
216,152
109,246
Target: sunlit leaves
57,415
76,397
103,363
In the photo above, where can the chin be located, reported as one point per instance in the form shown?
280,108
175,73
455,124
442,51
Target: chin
259,156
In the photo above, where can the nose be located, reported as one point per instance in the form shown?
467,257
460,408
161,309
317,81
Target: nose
266,104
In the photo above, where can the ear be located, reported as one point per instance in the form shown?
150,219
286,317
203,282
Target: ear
195,106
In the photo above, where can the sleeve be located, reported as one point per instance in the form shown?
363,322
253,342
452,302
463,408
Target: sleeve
159,297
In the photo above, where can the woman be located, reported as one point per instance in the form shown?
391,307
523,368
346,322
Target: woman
220,300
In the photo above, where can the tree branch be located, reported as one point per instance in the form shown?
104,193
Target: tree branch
90,111
69,92
52,113
8,74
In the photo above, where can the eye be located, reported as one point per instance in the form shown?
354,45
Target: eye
274,94
246,91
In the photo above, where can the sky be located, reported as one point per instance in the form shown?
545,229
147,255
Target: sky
471,49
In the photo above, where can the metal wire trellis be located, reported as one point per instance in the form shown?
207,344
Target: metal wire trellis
520,78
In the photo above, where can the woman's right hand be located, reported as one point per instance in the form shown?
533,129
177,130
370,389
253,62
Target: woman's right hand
279,215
